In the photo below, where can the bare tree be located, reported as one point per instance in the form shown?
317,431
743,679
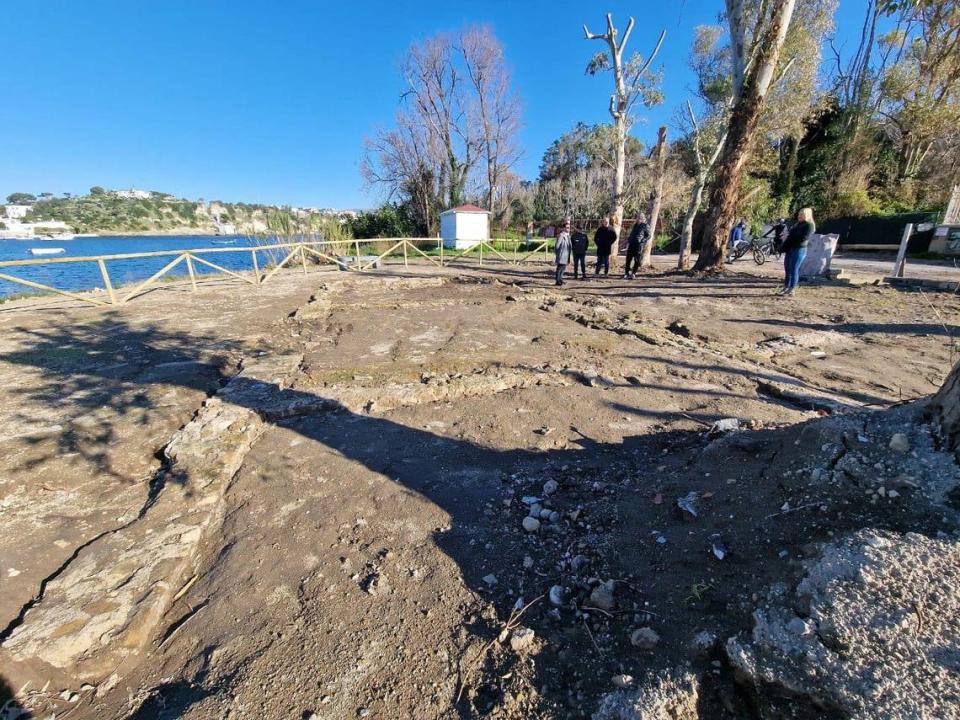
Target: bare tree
401,160
660,173
437,97
498,106
754,68
631,83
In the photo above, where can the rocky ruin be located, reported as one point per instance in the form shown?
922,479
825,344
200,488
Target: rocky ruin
467,493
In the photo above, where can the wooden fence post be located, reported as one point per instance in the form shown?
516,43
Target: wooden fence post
356,256
441,253
106,281
902,252
405,253
303,259
256,268
193,276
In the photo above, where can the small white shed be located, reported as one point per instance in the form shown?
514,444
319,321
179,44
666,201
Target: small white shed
464,226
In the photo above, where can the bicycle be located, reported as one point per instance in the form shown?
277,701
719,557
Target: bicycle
764,249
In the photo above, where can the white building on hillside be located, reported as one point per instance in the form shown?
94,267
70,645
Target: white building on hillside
132,194
464,226
17,212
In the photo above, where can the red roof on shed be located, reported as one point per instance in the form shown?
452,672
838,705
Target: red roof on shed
467,208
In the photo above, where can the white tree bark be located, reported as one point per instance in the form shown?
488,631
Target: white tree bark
660,152
620,103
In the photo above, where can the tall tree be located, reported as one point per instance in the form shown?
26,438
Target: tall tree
497,104
632,82
660,174
437,97
921,90
754,66
458,113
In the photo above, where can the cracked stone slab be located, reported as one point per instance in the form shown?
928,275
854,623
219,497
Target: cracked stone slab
879,637
104,605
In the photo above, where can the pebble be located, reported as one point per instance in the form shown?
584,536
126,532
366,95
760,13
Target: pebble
892,494
545,514
550,487
535,510
557,594
554,516
646,638
527,562
799,626
899,443
522,639
490,579
602,596
623,681
531,524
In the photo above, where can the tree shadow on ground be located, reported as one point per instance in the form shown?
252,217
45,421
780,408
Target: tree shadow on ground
611,485
935,329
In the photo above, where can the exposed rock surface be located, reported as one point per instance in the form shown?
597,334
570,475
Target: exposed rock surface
884,642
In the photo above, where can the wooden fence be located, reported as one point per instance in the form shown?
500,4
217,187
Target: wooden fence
350,255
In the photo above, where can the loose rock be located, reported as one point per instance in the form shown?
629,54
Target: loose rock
531,524
646,638
899,443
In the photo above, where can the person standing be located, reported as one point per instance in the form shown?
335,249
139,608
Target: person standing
578,244
562,251
605,238
639,234
795,247
736,235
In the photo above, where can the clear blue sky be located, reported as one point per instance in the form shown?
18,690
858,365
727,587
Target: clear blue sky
248,100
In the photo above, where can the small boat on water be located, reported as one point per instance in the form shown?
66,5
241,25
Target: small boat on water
224,242
46,251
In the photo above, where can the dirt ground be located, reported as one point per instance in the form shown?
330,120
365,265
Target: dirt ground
309,500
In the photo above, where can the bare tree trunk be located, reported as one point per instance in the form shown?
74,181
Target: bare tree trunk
741,133
620,102
945,406
660,153
619,176
686,236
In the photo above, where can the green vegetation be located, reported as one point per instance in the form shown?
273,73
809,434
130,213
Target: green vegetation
104,212
20,198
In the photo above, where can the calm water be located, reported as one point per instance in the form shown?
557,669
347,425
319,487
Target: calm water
86,276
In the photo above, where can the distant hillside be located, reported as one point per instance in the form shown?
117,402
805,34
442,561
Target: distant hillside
141,212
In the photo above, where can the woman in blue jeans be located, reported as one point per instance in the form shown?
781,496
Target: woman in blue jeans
795,249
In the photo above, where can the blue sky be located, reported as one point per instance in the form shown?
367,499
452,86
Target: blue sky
258,101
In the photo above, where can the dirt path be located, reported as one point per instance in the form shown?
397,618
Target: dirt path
311,501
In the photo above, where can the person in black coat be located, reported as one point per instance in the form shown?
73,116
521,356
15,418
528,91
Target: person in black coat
795,247
639,234
579,242
604,239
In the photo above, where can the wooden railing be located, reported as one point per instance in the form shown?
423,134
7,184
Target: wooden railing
344,253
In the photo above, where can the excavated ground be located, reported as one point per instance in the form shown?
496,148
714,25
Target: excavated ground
309,500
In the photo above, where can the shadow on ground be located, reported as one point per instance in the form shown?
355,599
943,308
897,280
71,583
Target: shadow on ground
624,494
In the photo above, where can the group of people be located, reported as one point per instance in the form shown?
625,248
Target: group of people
791,240
573,245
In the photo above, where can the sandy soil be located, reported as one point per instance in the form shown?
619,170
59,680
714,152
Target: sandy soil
307,500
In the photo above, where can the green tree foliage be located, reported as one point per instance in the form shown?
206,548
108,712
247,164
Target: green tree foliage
388,220
21,198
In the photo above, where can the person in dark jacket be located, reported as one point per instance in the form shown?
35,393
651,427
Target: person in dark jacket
779,232
562,252
795,247
604,239
578,244
639,234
